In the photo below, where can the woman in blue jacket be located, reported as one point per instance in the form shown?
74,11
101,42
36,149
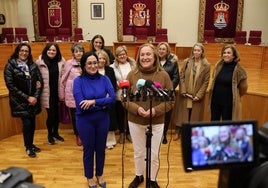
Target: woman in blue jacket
93,94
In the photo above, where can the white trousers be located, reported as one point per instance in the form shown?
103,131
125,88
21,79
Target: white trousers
138,135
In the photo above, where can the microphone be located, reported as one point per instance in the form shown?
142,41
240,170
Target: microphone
150,84
124,85
140,83
159,87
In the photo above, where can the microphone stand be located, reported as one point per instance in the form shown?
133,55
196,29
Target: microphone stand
149,135
124,139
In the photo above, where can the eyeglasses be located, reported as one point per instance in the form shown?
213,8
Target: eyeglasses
122,55
90,63
24,51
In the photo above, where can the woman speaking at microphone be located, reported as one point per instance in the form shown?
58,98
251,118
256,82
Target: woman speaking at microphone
140,114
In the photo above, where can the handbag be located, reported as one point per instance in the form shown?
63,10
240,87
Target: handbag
64,115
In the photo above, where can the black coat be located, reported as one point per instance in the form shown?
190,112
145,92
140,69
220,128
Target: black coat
171,67
109,71
20,89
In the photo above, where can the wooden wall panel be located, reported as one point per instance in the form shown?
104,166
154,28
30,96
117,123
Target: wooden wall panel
6,50
213,52
251,56
37,48
8,126
183,52
265,58
255,107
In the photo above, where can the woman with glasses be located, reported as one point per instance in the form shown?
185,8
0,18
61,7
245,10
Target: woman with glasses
24,82
94,94
122,66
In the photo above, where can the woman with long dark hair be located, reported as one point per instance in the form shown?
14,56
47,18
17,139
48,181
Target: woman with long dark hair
50,64
24,83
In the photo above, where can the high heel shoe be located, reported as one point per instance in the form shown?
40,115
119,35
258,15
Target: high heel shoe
101,182
91,183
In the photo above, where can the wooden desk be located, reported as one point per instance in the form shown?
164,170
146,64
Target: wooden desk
131,47
6,49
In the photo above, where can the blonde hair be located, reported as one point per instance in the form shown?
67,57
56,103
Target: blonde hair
120,49
106,57
167,46
200,45
156,59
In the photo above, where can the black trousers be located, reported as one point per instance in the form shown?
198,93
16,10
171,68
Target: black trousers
28,130
219,112
53,118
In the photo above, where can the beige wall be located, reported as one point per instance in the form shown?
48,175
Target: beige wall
179,16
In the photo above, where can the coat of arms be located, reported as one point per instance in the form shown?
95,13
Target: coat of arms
221,15
139,16
54,13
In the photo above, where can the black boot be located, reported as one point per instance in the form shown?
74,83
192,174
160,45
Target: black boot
164,141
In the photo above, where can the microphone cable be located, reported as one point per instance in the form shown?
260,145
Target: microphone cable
169,142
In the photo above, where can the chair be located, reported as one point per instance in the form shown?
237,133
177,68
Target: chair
51,35
141,34
21,34
255,37
64,34
240,37
78,34
7,34
161,35
209,36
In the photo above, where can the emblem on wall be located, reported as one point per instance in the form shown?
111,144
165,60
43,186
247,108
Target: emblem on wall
54,13
221,15
140,16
